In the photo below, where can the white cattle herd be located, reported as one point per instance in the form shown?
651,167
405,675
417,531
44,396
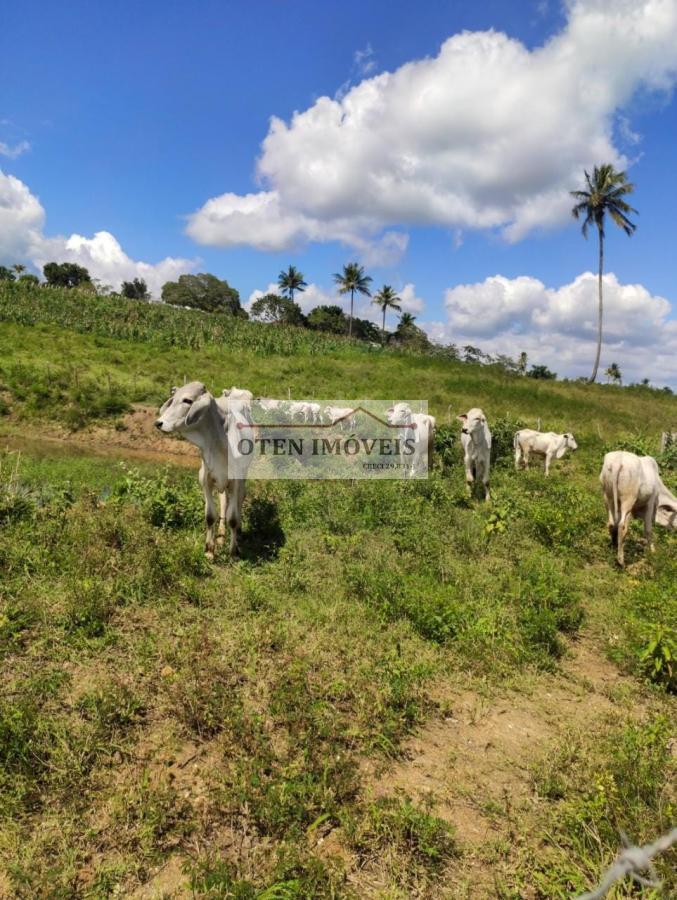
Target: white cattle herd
631,484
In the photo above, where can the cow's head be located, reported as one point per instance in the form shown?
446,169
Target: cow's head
570,441
399,414
184,407
474,424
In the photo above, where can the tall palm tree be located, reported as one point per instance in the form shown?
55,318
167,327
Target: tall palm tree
606,189
406,319
352,279
386,299
291,280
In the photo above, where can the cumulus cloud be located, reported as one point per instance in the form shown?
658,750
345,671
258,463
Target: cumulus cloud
487,134
22,239
557,327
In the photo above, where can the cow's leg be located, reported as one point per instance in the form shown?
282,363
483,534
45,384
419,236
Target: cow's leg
221,533
622,531
469,475
649,517
210,512
485,482
236,489
526,458
518,457
548,460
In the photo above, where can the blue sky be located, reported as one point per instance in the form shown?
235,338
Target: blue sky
138,114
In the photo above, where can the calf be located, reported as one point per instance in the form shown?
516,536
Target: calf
217,428
631,486
546,444
476,443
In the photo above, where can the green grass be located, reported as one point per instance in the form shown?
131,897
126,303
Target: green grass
155,707
52,371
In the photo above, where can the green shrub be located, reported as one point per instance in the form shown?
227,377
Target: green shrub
503,431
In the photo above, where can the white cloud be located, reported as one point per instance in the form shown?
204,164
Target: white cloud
409,301
558,326
486,134
12,152
22,239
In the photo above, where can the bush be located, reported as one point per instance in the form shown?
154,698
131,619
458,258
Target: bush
502,436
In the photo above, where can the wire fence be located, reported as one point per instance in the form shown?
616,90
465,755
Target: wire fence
633,861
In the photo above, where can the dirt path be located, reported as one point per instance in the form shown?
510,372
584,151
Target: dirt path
474,766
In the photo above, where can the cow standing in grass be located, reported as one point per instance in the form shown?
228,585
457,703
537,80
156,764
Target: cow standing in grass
476,443
218,429
546,444
633,488
417,430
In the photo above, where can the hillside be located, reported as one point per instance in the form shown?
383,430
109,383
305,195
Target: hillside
397,692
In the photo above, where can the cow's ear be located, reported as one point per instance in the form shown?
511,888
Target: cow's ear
173,390
198,410
462,418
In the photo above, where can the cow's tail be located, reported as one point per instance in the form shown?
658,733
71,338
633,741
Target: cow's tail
614,488
514,440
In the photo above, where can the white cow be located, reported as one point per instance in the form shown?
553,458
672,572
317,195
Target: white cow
546,444
218,428
631,487
476,443
241,395
416,427
267,404
666,515
343,416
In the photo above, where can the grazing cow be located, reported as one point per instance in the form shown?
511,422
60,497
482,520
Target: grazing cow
476,443
267,404
546,444
419,427
343,416
217,427
631,486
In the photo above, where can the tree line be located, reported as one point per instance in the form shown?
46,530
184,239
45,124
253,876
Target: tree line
604,194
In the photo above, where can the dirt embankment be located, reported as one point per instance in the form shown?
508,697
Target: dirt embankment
134,436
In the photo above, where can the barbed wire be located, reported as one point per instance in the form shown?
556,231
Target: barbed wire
632,861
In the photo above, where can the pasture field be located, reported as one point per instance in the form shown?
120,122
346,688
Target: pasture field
396,692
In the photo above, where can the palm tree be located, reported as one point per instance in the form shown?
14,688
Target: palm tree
605,191
613,373
19,268
290,281
350,280
387,299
